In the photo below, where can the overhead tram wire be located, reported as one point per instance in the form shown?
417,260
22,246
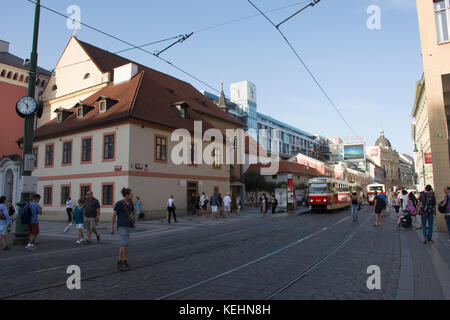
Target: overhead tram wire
180,37
132,47
306,67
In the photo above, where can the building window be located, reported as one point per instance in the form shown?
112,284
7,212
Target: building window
84,189
55,87
217,158
102,106
442,16
65,194
86,76
36,155
192,154
108,147
80,112
60,117
107,194
48,194
86,152
49,153
161,148
67,152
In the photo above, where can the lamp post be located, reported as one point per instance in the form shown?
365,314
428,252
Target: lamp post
21,234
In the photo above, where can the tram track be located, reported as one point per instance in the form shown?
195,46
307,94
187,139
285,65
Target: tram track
220,245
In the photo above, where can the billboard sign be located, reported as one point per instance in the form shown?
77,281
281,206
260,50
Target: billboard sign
428,158
354,152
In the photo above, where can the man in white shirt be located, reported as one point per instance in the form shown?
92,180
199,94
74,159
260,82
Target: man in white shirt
227,204
171,209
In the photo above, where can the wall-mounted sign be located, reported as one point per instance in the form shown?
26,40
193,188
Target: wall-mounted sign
428,158
139,166
354,152
118,168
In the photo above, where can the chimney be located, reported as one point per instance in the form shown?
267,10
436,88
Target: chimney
4,46
125,73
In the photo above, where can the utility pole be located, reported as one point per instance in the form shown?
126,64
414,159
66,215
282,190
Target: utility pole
21,234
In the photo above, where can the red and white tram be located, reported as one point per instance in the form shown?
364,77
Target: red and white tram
372,188
329,194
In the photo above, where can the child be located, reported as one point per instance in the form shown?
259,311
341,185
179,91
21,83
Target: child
79,221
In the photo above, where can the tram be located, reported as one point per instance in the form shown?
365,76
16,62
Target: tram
329,194
372,188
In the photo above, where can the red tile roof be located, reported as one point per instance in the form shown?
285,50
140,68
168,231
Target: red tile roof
148,97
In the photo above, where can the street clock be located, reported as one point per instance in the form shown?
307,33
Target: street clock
26,107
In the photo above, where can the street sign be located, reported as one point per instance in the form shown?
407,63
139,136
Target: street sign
29,184
28,165
428,158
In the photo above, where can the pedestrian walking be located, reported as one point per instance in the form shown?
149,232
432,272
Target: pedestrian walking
220,201
171,209
69,214
91,216
139,205
197,205
5,223
446,205
396,203
32,211
204,204
126,221
238,206
427,202
378,207
354,208
263,203
384,197
78,218
215,204
274,204
227,204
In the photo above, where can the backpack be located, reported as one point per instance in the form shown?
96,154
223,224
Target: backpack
444,204
380,204
412,210
25,218
428,207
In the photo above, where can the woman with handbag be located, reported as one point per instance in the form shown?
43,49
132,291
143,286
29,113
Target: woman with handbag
4,222
126,220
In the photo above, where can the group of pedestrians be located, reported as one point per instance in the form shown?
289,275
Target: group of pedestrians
219,206
423,208
268,203
86,216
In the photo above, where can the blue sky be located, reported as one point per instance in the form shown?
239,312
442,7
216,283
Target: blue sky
370,74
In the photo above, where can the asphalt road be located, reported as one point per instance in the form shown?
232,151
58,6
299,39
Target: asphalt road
309,256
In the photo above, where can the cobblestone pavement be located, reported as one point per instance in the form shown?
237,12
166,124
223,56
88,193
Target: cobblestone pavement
248,257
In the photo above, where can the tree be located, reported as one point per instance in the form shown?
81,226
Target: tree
254,181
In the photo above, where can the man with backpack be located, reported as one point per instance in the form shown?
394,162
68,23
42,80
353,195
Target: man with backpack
379,207
30,217
427,206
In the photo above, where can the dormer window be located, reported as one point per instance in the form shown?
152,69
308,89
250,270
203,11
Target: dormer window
62,114
181,109
102,106
82,109
55,87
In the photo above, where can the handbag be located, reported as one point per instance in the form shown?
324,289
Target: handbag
132,222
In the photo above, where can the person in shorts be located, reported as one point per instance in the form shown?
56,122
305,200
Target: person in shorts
5,222
78,218
126,220
227,204
33,226
91,216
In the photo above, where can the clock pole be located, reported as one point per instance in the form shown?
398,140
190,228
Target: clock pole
21,233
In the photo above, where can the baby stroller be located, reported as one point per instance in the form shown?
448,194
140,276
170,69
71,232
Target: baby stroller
406,220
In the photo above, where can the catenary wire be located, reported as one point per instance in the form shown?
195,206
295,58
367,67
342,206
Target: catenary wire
307,68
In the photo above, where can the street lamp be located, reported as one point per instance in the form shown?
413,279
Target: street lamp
21,234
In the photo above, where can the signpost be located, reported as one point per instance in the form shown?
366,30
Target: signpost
290,194
28,183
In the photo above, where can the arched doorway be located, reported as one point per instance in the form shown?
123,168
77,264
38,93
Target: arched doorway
8,186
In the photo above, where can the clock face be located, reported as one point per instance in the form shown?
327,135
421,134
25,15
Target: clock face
26,106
